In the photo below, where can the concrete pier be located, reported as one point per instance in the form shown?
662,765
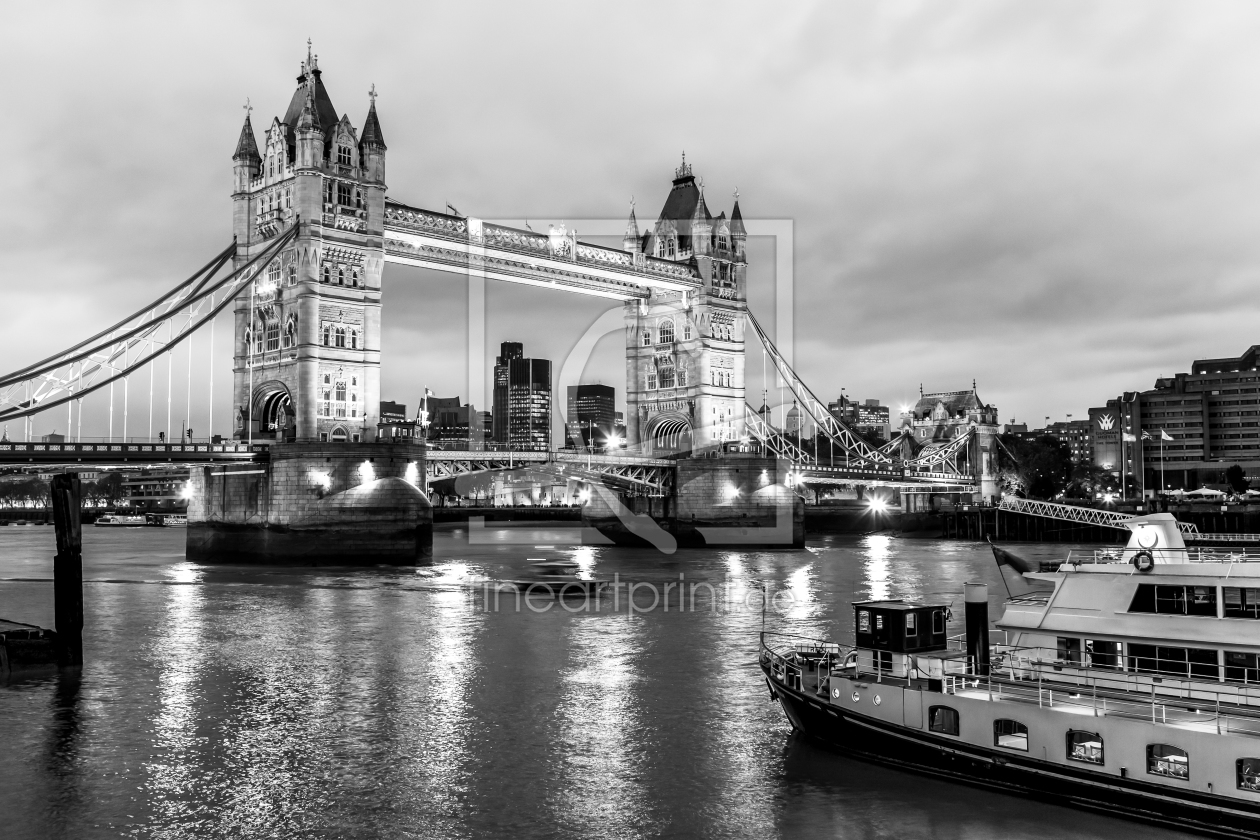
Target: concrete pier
314,503
732,500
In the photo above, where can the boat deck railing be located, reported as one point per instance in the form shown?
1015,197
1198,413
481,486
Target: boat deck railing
1192,554
1027,675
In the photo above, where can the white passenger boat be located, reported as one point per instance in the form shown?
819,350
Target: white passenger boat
120,520
1131,686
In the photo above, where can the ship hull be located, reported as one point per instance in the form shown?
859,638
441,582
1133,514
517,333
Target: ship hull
870,739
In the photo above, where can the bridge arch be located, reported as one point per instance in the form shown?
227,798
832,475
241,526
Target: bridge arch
669,434
275,411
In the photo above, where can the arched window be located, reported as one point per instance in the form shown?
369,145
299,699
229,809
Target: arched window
1167,760
339,399
1010,734
293,275
354,277
339,336
1084,746
273,273
943,719
328,192
343,155
290,332
327,274
651,381
339,435
647,336
273,335
358,199
249,340
686,330
666,332
341,276
354,404
354,339
682,377
327,340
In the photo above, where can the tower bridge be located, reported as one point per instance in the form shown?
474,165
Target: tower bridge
313,231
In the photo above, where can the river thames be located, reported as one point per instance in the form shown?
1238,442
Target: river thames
393,703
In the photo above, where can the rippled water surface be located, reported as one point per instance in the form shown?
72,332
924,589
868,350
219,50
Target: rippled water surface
280,702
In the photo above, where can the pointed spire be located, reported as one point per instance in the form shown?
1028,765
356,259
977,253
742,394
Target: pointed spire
737,218
246,147
630,242
684,169
372,134
308,120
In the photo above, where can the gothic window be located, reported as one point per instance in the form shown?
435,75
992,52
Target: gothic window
665,368
358,199
666,332
328,192
339,400
669,249
327,274
273,335
343,194
339,336
341,277
271,165
258,338
354,339
290,332
651,381
686,331
293,275
354,277
343,155
354,381
354,404
647,336
288,199
273,273
682,377
327,340
249,340
325,400
327,379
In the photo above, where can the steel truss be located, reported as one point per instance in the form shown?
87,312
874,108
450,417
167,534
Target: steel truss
652,474
839,433
133,342
1084,515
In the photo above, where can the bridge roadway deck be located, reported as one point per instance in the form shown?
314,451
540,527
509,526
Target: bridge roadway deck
128,454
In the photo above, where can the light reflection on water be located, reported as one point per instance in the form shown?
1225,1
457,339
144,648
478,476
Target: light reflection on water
270,702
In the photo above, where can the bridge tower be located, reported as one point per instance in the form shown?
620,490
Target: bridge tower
685,350
307,344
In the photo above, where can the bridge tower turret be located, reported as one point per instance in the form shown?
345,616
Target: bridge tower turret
685,350
307,351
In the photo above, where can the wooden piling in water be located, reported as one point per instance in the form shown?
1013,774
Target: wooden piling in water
68,568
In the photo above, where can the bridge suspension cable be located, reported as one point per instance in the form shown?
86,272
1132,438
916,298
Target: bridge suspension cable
839,433
117,351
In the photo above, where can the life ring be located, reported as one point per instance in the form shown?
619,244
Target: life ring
1143,561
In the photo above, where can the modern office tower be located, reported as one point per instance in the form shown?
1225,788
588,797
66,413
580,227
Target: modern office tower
508,351
528,404
592,416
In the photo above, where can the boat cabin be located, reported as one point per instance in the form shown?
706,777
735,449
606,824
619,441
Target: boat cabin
899,626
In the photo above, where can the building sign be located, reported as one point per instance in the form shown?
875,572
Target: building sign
1106,422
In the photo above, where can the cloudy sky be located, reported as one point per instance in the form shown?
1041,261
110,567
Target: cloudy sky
1059,200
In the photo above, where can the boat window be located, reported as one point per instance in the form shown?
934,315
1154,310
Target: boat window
879,622
1249,774
943,719
1174,600
1241,602
1069,650
912,628
938,621
1242,667
1198,663
1166,760
864,621
1100,654
1010,734
1084,746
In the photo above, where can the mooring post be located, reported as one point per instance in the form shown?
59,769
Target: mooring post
68,568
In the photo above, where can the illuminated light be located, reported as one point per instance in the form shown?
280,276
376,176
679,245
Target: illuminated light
186,491
584,496
878,505
366,472
322,479
731,491
412,476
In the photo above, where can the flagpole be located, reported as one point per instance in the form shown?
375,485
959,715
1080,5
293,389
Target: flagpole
1162,485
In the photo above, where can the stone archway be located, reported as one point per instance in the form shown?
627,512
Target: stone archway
670,434
274,411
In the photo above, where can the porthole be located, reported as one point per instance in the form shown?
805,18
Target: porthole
876,701
856,697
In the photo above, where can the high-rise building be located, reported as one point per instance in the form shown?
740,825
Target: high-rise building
1211,417
529,404
392,412
455,425
868,417
394,423
592,416
508,351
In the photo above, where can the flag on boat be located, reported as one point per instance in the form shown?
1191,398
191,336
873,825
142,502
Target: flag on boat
1014,561
1164,435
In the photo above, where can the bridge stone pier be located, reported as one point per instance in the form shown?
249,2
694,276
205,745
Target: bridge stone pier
314,503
